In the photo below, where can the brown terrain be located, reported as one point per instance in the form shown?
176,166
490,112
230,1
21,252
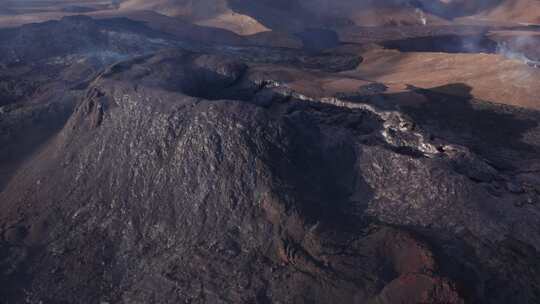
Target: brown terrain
523,11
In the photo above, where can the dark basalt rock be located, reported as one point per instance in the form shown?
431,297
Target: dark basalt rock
181,177
316,40
446,44
78,35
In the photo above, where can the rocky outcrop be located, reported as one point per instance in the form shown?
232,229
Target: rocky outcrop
182,177
113,39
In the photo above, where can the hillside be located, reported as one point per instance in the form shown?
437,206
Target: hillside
253,16
211,13
311,205
269,151
524,11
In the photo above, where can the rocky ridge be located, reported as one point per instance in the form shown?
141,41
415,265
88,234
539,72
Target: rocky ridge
204,182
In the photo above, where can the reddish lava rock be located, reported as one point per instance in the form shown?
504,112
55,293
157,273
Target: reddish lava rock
419,288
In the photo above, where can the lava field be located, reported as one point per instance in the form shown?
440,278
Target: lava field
257,152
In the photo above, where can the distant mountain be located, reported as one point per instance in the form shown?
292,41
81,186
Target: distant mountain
249,17
202,8
243,16
213,13
526,11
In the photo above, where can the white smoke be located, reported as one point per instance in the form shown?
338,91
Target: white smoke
421,16
513,49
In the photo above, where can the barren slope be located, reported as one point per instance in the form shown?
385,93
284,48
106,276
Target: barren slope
259,151
491,76
525,11
329,201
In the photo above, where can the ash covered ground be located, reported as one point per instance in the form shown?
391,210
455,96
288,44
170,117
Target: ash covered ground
269,152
